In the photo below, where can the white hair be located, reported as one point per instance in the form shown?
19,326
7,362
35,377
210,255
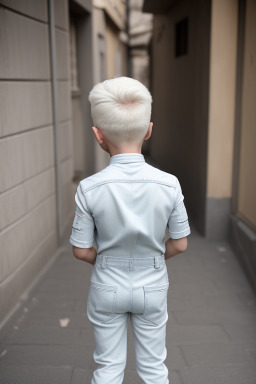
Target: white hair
121,109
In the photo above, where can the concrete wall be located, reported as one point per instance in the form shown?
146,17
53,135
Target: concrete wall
28,220
63,101
246,208
242,231
112,50
116,52
83,145
221,116
99,60
27,199
204,116
180,102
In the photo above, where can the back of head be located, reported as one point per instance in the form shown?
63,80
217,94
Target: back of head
121,109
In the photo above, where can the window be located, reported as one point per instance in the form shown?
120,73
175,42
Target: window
181,37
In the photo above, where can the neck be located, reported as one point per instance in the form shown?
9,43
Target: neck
126,149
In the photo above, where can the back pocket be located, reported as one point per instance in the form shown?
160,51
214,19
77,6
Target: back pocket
101,303
155,302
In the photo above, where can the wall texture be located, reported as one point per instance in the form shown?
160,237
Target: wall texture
28,232
223,53
180,102
247,180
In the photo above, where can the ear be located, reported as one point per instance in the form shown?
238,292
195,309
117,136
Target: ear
98,134
148,134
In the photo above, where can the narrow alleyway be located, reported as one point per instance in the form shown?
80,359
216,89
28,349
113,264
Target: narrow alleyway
211,330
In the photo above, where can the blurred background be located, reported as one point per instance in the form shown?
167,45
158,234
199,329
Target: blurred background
198,60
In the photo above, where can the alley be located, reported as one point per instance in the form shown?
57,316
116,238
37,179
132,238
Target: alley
197,59
211,332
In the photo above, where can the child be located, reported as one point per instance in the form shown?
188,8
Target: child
126,208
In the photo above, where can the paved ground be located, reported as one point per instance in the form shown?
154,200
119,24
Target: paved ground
211,331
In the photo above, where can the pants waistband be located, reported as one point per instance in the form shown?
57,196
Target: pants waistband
129,262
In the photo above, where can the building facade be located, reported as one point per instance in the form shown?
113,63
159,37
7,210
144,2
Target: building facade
204,88
140,42
110,56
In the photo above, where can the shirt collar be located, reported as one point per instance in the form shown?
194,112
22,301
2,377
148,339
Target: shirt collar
127,158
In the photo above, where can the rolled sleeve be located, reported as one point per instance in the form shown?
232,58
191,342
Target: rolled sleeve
82,235
178,225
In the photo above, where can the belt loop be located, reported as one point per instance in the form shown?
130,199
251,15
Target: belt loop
131,263
104,261
157,264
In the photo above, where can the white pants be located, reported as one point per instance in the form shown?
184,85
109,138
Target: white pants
135,287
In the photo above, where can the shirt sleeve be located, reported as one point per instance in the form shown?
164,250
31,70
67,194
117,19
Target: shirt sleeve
178,225
83,227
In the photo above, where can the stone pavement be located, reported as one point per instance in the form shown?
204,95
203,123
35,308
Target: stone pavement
211,330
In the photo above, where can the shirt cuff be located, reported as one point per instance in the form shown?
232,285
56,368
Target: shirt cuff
179,235
81,244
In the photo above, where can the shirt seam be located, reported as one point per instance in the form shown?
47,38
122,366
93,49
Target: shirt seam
176,187
87,203
126,181
126,162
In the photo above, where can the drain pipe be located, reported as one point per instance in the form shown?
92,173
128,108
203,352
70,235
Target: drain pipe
53,63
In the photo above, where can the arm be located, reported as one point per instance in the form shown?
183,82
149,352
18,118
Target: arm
178,225
82,236
85,254
175,246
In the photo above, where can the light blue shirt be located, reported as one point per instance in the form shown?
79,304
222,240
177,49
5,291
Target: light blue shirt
127,207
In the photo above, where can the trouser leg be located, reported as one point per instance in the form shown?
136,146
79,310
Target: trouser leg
110,351
150,350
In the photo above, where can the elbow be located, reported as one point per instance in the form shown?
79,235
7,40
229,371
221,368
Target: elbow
81,253
181,245
78,252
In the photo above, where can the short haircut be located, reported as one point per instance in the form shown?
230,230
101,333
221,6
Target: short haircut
121,109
